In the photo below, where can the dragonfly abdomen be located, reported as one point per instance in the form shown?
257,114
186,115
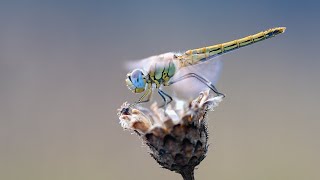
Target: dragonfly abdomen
251,39
195,56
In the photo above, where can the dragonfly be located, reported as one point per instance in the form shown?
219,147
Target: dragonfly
161,70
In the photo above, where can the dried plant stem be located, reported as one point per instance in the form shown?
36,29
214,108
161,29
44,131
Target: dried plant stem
187,174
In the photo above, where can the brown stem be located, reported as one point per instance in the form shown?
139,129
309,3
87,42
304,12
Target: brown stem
187,173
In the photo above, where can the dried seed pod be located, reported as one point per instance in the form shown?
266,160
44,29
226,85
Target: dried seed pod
178,137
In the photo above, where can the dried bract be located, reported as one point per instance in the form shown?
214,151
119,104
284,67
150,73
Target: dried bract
177,137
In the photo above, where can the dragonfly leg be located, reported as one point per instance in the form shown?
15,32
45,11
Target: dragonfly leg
201,79
164,99
146,94
164,95
170,98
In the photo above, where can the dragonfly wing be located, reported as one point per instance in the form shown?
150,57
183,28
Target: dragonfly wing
191,87
146,63
143,64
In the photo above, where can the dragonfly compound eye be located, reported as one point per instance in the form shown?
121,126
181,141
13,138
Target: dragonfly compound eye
136,81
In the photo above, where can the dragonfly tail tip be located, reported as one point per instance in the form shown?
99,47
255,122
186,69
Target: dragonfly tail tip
282,29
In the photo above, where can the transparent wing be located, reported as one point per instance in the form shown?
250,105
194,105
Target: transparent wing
146,63
140,64
191,87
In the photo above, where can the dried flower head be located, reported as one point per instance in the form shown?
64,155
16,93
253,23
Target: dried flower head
177,137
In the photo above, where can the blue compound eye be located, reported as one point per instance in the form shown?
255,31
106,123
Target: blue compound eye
137,78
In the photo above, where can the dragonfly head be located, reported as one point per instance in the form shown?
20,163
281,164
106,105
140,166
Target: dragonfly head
136,81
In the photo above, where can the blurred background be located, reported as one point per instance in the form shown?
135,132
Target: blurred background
62,80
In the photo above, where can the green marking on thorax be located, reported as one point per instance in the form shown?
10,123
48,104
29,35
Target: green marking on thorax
162,74
158,72
172,69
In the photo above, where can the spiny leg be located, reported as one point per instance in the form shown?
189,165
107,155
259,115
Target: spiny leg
146,94
201,79
164,99
162,93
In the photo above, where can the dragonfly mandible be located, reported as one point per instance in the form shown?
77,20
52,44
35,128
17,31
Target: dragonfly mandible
160,70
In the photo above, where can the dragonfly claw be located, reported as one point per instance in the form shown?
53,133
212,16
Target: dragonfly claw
221,94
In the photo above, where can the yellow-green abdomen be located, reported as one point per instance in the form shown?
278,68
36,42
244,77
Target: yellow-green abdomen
195,56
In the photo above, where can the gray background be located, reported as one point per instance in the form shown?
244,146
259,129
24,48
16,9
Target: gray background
62,79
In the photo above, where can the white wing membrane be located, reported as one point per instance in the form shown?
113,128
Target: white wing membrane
146,63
